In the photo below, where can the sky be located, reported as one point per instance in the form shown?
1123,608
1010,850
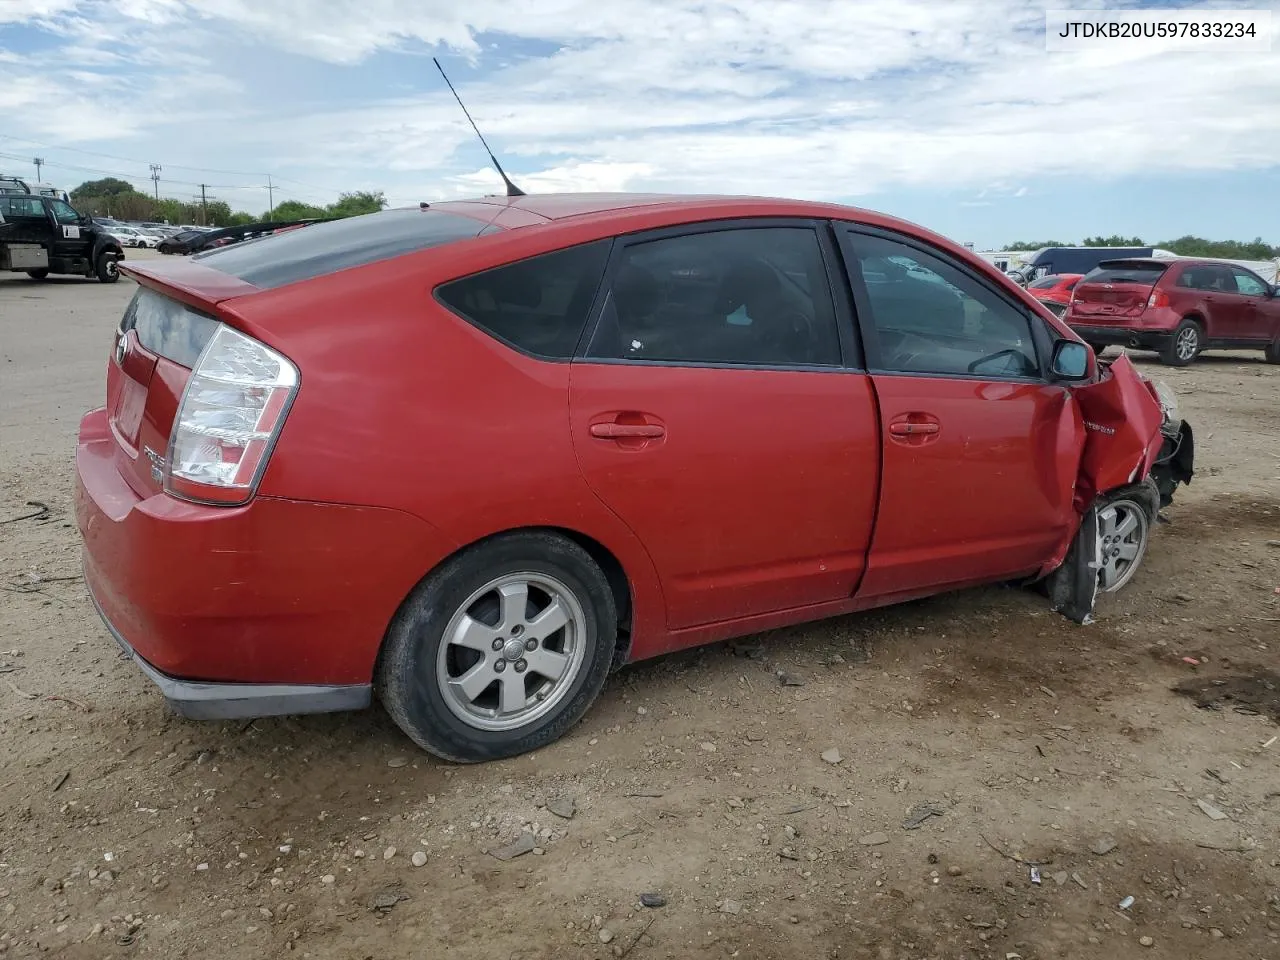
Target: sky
950,113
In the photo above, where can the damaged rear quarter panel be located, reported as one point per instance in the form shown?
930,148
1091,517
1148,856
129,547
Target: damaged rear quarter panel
1122,431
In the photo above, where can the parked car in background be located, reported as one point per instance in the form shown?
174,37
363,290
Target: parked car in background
1177,307
1050,260
1054,291
132,237
193,241
472,457
180,242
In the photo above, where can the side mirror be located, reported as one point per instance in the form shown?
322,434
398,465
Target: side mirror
1070,360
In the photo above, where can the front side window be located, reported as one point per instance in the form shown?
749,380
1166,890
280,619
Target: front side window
749,295
928,316
538,305
64,213
1247,283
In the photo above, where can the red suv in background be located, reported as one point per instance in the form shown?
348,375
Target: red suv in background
1054,291
1177,308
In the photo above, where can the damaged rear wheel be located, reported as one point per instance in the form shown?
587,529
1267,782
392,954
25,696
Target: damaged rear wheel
1123,531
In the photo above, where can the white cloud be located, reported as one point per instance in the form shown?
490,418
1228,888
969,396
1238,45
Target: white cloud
809,98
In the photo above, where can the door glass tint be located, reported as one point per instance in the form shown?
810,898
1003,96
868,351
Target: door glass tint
755,296
22,207
63,213
930,317
1207,277
538,305
1248,284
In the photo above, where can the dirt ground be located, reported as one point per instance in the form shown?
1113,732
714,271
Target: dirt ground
701,777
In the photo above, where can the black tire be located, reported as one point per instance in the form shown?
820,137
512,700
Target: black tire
1185,344
106,268
407,678
1272,352
39,273
1097,348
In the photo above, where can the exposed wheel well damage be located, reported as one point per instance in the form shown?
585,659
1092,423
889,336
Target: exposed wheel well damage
1073,586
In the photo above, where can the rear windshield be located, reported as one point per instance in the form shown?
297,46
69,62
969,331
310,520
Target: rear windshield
322,248
1044,283
1147,273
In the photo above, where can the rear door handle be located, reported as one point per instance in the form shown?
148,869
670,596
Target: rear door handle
911,429
627,431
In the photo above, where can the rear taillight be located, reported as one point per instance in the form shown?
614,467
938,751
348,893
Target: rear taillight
231,413
1158,298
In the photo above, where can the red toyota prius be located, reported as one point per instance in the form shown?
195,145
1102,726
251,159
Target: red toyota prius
469,457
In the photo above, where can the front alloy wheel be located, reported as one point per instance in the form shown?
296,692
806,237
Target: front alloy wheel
1123,528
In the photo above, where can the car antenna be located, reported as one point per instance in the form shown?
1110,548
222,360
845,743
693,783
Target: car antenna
512,189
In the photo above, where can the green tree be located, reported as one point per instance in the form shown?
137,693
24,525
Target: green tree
1115,240
106,187
295,210
1035,244
355,204
1189,246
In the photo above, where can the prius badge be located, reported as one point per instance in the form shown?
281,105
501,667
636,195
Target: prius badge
157,464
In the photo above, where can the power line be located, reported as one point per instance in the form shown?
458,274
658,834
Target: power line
113,156
175,166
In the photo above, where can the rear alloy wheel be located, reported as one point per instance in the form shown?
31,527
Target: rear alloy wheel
1184,346
501,650
39,273
1123,529
106,268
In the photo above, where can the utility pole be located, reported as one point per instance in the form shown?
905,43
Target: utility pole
39,162
155,178
204,205
271,198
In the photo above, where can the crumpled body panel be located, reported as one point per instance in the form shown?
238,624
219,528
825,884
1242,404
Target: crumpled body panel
1122,431
1122,420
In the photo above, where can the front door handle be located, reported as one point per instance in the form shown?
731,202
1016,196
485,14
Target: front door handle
911,429
627,431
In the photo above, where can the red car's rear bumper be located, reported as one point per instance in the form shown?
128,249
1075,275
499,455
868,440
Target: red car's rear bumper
278,606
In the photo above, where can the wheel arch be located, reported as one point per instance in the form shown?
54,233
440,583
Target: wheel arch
620,584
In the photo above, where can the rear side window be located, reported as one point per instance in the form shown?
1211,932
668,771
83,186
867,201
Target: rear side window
1144,273
22,207
168,328
538,305
322,248
755,296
